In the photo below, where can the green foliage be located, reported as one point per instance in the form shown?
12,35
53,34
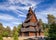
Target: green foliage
40,23
15,33
46,28
51,19
46,32
14,29
1,28
52,31
52,27
7,32
16,36
19,27
1,38
1,31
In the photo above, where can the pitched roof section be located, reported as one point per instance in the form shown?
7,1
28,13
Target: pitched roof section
31,15
32,12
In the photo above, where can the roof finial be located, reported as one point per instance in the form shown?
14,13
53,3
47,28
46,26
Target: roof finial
30,8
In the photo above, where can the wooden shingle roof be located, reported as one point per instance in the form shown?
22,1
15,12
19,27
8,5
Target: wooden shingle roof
29,24
30,30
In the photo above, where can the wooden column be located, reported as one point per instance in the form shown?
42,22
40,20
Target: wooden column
22,34
31,34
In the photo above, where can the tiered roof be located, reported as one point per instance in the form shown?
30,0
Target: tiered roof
28,23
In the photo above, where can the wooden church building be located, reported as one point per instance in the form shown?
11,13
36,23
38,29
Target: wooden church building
31,26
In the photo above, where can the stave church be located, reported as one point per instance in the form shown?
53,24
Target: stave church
31,25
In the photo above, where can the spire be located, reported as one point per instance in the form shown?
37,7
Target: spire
30,10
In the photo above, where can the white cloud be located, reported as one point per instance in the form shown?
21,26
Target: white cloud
7,17
25,2
12,7
51,10
20,15
11,24
8,20
11,4
43,14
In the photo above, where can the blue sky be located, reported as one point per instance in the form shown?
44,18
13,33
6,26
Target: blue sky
13,12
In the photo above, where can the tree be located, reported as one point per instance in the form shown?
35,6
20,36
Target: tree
45,28
1,31
52,27
19,27
1,38
51,19
7,32
1,28
52,31
14,29
15,33
41,25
